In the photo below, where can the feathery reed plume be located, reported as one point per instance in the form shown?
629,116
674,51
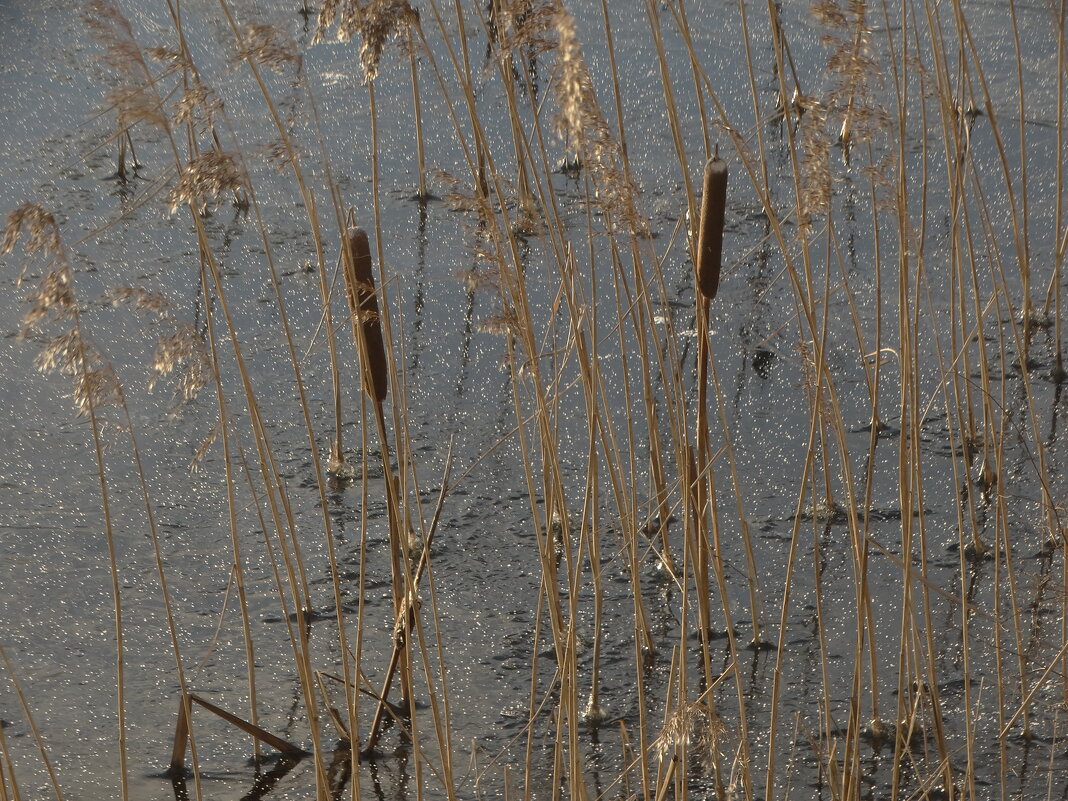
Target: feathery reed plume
205,179
523,24
710,239
363,302
134,100
198,103
168,56
53,296
270,46
42,233
814,197
683,725
133,104
180,346
582,126
375,22
852,68
95,382
340,12
380,20
183,347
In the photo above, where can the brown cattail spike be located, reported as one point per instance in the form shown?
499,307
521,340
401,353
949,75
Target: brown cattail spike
363,302
710,237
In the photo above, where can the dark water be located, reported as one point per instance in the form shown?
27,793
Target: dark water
56,622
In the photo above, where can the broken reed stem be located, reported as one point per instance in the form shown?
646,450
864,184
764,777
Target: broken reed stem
183,727
710,239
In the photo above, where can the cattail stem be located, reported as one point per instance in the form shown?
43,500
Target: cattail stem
367,329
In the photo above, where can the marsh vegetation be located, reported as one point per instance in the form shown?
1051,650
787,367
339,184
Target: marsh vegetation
534,399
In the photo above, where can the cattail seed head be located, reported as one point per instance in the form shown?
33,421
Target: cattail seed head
363,302
710,236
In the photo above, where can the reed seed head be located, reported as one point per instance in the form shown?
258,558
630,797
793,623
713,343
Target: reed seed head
523,24
136,99
815,195
184,347
198,102
53,297
205,179
582,126
96,384
375,22
133,104
42,233
141,299
270,46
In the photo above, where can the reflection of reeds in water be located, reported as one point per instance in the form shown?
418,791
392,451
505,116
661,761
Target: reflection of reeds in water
940,329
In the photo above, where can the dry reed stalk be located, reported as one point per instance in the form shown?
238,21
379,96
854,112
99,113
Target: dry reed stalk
417,111
33,727
7,773
274,49
96,386
710,239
